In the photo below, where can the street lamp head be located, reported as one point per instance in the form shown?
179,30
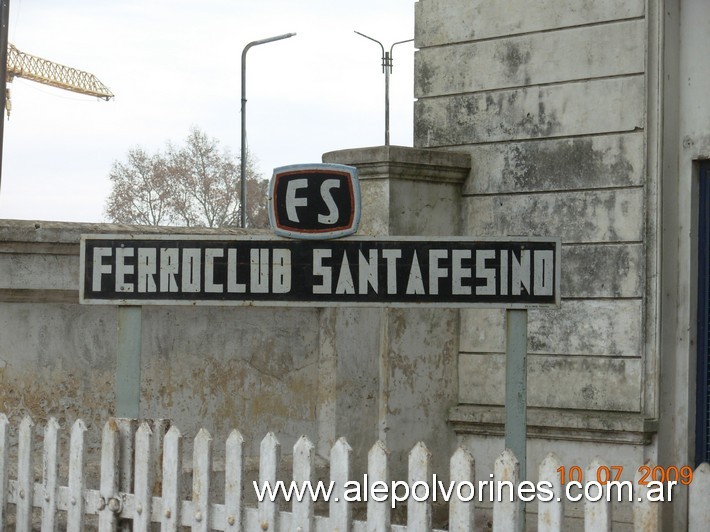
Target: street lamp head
264,41
276,38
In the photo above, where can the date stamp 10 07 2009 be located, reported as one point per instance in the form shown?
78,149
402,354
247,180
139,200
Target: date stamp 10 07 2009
604,474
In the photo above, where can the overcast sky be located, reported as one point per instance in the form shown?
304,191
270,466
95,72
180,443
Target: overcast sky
174,64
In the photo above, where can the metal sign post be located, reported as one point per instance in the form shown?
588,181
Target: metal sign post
128,362
516,389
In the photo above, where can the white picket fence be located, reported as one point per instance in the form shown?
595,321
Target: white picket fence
47,503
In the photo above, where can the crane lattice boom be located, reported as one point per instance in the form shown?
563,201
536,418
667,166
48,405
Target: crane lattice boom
22,65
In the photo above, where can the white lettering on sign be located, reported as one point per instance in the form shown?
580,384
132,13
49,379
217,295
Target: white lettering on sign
462,279
259,260
314,202
210,285
543,283
521,273
333,212
191,266
169,268
147,266
358,272
99,267
415,284
292,201
345,279
436,272
368,271
458,272
504,273
489,274
233,286
123,269
391,256
319,270
281,274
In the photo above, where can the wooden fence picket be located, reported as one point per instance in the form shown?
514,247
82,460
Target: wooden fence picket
142,479
647,514
303,465
234,481
201,472
461,511
108,484
25,476
126,451
597,514
172,453
77,456
340,470
550,513
506,514
49,476
378,511
418,510
159,429
269,458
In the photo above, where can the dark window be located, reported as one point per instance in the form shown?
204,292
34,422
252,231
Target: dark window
703,368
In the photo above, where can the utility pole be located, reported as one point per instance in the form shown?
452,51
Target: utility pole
387,60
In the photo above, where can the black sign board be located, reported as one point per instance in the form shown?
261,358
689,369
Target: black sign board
207,270
314,201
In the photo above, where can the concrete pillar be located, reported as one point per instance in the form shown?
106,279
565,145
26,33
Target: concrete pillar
391,374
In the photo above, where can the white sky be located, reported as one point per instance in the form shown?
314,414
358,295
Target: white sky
173,64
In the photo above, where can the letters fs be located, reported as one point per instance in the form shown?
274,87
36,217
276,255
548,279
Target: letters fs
314,201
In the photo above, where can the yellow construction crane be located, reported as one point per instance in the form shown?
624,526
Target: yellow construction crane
23,65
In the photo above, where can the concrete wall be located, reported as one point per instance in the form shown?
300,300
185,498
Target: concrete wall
360,373
407,192
246,368
552,102
585,120
686,140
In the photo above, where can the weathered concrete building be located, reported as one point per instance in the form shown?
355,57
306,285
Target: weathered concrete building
587,120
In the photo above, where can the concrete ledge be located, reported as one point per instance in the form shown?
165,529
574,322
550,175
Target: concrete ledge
12,295
39,260
400,162
558,424
57,233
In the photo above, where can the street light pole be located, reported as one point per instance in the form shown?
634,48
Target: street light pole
387,60
243,215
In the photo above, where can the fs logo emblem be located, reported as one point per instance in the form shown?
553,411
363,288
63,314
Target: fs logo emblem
314,201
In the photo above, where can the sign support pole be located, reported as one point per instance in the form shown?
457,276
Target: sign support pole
516,339
128,362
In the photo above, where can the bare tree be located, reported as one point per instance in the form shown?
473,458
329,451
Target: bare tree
140,194
194,185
